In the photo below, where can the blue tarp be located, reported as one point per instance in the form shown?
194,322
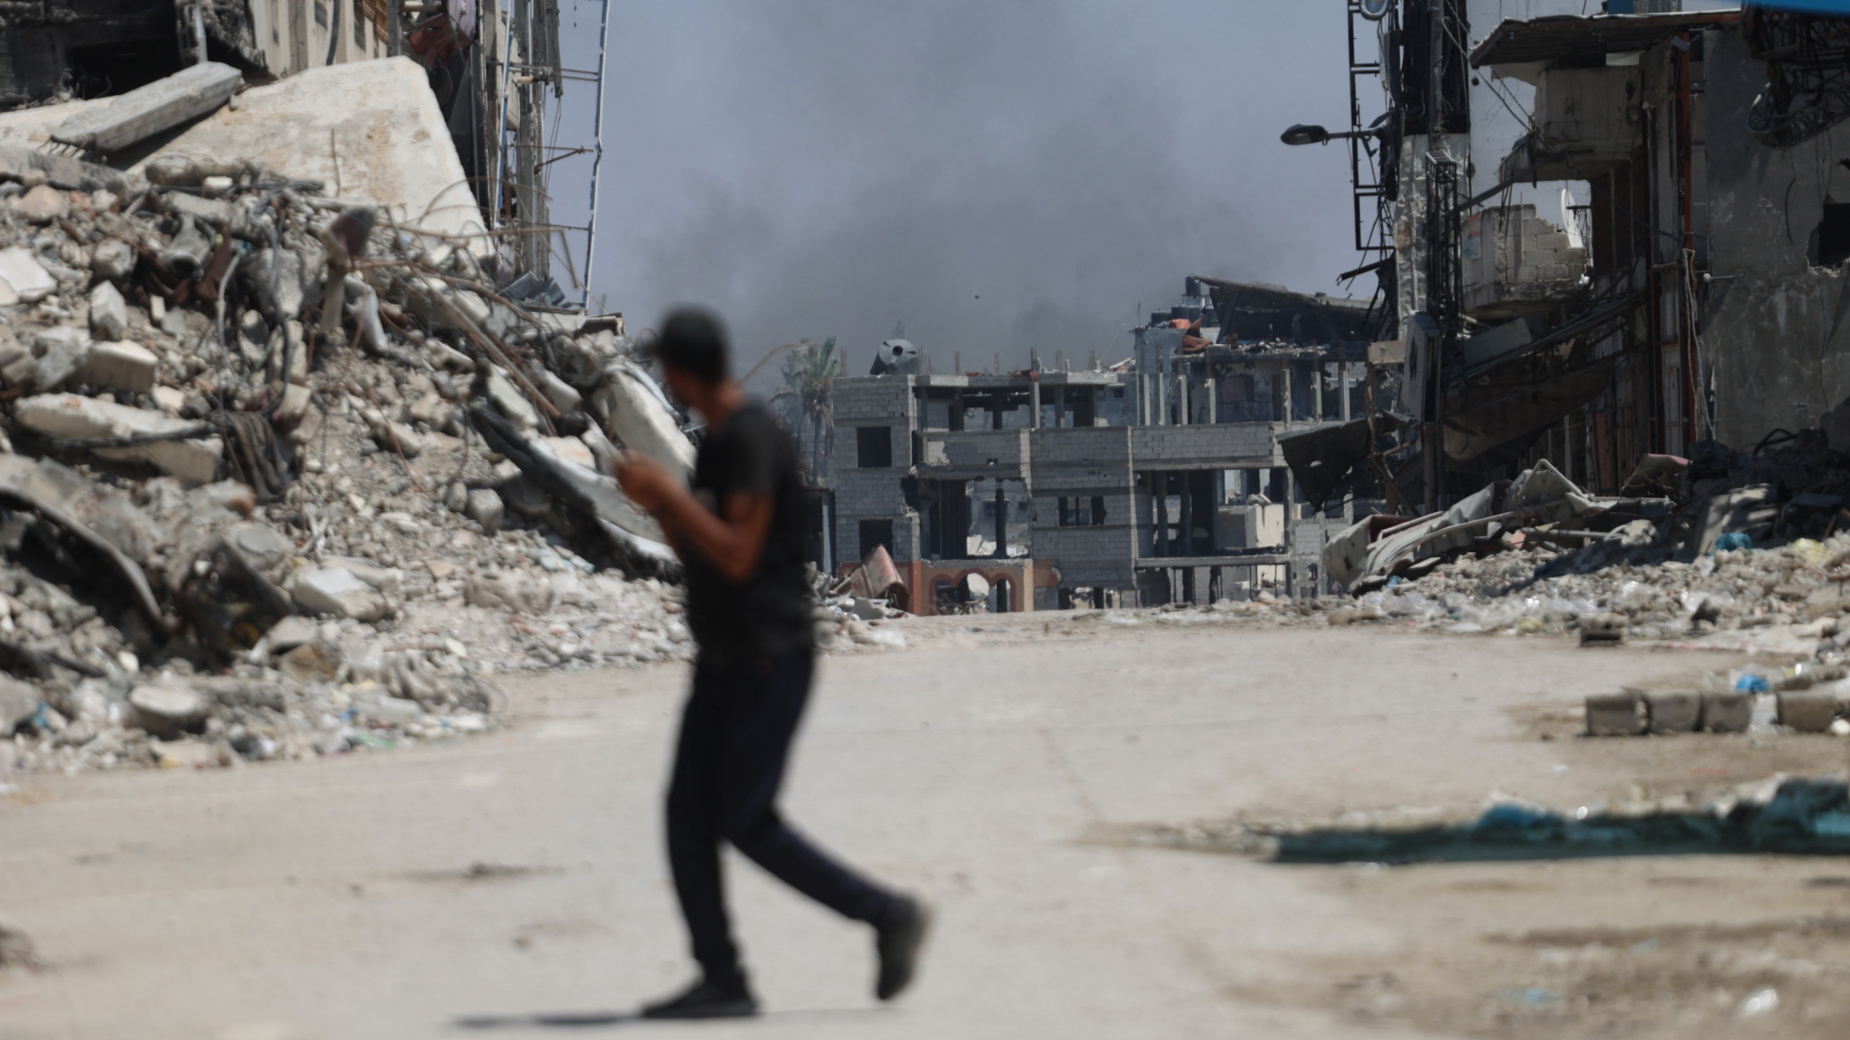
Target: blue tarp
1813,6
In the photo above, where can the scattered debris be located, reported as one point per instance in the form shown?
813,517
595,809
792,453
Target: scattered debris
1776,816
285,470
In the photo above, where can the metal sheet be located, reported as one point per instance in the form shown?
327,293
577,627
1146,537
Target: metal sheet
1577,39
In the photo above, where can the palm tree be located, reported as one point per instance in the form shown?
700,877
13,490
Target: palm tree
809,396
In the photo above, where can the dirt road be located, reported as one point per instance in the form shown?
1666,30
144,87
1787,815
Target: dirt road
513,885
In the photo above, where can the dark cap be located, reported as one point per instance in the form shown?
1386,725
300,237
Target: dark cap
693,340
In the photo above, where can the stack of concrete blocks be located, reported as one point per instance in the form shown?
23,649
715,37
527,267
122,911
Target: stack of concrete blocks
1634,713
1516,262
874,493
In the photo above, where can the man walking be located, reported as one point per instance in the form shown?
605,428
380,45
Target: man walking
739,532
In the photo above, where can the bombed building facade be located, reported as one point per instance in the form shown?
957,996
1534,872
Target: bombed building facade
495,71
1688,287
1157,479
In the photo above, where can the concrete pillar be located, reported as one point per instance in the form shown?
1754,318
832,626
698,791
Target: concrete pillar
1285,415
1342,387
1213,400
1002,523
1188,517
1161,482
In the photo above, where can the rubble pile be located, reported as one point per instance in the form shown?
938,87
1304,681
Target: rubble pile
284,474
1741,551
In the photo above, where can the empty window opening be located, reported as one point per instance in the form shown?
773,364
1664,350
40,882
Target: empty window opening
1830,243
1082,512
876,533
873,447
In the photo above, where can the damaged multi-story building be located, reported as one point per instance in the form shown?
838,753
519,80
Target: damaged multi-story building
1156,479
1688,286
496,69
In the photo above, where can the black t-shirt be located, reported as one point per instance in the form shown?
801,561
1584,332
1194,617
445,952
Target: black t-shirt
769,613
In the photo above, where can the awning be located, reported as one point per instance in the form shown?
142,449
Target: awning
1578,40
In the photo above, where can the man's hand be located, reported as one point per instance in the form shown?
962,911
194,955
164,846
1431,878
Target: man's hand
732,541
645,482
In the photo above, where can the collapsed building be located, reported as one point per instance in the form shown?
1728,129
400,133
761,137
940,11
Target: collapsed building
1158,479
288,466
496,72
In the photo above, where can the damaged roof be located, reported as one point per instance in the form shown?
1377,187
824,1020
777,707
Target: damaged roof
1272,312
1576,39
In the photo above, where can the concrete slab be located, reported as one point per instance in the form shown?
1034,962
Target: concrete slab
69,416
146,111
367,130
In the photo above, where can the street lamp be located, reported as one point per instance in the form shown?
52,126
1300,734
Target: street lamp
1310,133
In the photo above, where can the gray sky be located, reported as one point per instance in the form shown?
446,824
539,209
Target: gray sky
998,176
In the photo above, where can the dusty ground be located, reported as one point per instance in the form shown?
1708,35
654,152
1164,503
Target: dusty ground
512,885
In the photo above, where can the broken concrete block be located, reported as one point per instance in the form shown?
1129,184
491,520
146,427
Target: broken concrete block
112,259
262,546
22,279
1673,711
558,391
1807,711
1727,712
290,633
640,421
193,460
119,366
310,662
510,591
511,401
168,708
1615,715
385,579
51,339
145,111
396,436
569,450
169,399
393,711
42,205
108,311
339,592
293,406
485,507
19,701
62,357
1602,629
190,754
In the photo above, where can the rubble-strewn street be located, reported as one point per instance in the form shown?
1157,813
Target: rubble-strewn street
1452,643
502,881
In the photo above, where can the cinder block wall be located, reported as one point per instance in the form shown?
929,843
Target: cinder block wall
874,494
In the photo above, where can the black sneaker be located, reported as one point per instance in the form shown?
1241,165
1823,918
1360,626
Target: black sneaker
898,940
706,999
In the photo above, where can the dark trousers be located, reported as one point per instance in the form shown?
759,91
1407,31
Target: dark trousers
735,739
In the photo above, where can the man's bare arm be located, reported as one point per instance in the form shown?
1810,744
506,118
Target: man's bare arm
732,542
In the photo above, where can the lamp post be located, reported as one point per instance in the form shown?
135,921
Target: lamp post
1310,133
